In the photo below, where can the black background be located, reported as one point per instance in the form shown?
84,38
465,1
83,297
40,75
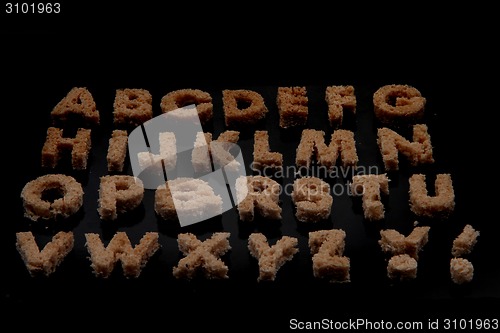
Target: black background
105,49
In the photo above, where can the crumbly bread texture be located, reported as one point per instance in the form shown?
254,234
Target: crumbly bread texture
55,143
417,152
416,240
312,143
200,155
133,259
202,258
339,99
441,204
117,151
119,194
271,258
168,154
465,242
35,207
395,243
402,267
46,261
292,106
220,151
184,97
187,198
206,150
132,107
461,270
262,156
333,240
164,203
229,136
392,242
258,194
370,187
77,103
251,114
398,103
327,248
312,199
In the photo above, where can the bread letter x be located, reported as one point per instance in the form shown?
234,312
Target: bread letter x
202,257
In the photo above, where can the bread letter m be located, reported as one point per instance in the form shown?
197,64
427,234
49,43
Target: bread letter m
167,153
